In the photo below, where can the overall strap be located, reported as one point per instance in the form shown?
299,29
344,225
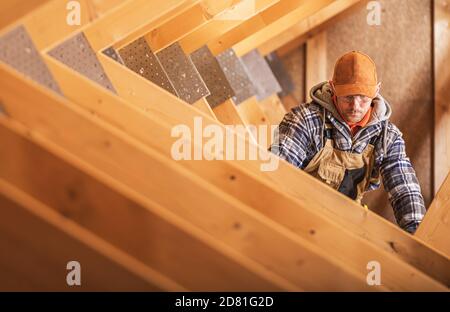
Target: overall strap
327,128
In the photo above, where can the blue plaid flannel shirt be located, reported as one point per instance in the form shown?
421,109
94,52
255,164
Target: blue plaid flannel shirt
299,138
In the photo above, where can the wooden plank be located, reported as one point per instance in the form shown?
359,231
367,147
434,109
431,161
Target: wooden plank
441,92
316,61
285,178
228,114
297,34
260,22
48,23
282,24
138,227
40,242
102,7
12,10
200,15
435,227
110,151
137,128
204,107
216,27
223,34
132,20
273,108
252,113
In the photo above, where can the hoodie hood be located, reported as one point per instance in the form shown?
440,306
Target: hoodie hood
322,94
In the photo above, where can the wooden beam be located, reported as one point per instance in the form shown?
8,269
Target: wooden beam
203,106
138,227
253,115
129,162
228,114
285,178
47,24
40,241
220,25
316,61
279,26
134,19
441,92
199,16
101,7
435,227
260,22
297,34
273,109
136,128
12,10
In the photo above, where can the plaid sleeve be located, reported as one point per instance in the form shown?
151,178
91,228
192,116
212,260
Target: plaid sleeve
400,181
291,139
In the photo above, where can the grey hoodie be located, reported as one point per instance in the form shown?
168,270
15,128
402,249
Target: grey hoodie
322,94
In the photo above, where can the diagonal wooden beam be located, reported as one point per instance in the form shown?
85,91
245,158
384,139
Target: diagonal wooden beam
269,246
279,26
435,228
52,240
134,19
306,28
136,128
286,179
194,30
287,175
12,10
47,24
441,92
77,193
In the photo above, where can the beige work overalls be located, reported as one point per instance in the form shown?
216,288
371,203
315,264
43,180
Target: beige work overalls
349,173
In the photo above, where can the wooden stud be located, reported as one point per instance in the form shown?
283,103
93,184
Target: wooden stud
435,227
316,61
273,109
441,92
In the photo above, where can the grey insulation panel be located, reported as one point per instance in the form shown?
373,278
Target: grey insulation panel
18,51
281,74
112,53
139,58
261,75
77,53
212,75
236,75
182,74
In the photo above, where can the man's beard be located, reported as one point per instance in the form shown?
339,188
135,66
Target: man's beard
354,116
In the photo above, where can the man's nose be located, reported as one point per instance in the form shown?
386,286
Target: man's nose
356,102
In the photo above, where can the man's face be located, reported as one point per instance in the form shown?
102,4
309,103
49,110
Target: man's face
354,107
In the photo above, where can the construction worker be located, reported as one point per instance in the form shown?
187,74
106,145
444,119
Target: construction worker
344,138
